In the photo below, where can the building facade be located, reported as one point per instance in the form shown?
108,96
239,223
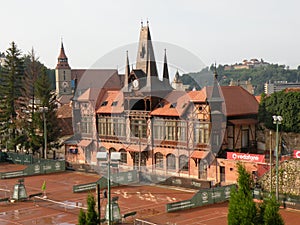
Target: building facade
158,129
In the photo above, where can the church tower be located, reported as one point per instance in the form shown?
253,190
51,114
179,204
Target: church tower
63,74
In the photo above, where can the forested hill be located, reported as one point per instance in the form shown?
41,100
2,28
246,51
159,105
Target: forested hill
258,76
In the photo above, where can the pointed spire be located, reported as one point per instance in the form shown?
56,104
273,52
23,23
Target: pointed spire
176,78
127,71
216,99
165,69
149,71
146,52
62,59
215,71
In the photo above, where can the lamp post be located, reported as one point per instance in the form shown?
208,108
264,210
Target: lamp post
44,109
108,157
277,120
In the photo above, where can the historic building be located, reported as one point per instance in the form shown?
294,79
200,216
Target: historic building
158,129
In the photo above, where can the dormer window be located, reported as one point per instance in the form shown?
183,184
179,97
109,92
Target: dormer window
161,105
104,103
173,105
115,103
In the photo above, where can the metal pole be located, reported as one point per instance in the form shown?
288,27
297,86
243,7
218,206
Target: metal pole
98,199
45,133
140,157
108,194
271,188
277,184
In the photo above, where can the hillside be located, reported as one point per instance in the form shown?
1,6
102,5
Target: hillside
258,76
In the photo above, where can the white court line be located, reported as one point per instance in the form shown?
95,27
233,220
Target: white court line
60,203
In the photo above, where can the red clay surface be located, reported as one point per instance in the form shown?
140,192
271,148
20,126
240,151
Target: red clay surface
148,201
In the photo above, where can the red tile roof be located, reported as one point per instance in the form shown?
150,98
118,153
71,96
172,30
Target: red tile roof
112,102
174,104
84,143
64,115
238,101
258,98
198,96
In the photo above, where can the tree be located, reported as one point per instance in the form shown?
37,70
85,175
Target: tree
242,209
285,104
82,217
47,99
33,70
271,213
11,98
91,216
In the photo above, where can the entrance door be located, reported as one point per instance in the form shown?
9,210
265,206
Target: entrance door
222,173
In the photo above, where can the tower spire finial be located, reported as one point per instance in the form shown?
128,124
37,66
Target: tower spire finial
165,68
215,71
141,22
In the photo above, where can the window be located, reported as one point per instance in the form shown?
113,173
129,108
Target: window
171,162
111,126
159,129
201,133
86,125
183,163
102,126
138,128
173,105
181,131
159,161
245,138
104,103
115,103
119,126
123,156
170,130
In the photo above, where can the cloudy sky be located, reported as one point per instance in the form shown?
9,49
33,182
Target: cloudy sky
225,31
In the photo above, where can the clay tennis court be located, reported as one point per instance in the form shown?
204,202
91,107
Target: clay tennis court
62,206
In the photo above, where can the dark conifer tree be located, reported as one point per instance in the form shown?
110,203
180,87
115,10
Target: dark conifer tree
11,98
47,101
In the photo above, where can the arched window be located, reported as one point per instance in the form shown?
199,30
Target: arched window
159,160
183,163
123,156
112,150
171,162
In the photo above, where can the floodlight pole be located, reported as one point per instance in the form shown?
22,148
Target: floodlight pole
277,120
108,190
44,110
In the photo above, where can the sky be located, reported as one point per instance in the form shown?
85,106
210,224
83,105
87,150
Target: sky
221,31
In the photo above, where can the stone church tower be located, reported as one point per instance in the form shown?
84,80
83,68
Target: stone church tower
63,74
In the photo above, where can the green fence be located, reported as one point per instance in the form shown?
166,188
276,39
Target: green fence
202,197
286,200
122,178
34,166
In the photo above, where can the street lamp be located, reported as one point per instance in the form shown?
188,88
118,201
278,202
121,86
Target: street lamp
108,157
44,109
277,120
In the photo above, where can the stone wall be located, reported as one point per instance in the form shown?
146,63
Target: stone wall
268,139
288,176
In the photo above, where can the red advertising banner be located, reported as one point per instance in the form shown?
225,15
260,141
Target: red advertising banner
245,157
297,154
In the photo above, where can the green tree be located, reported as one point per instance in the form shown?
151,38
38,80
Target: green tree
271,213
242,209
11,98
82,218
90,217
285,104
33,70
47,99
